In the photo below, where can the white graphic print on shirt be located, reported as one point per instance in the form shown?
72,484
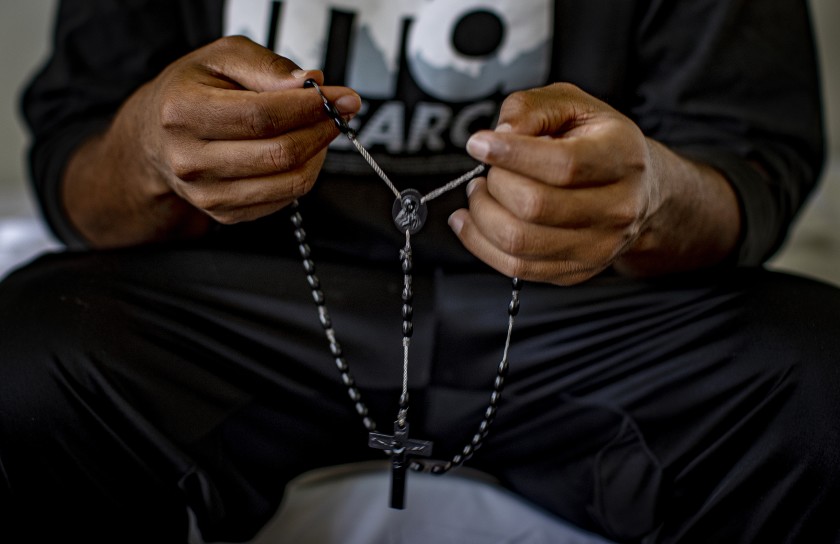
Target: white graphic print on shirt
430,71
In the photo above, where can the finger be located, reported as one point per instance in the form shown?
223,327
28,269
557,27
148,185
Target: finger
535,202
253,66
520,239
241,115
238,159
560,272
243,200
555,109
584,249
572,161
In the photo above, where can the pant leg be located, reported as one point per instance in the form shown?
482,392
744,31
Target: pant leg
703,409
136,383
631,408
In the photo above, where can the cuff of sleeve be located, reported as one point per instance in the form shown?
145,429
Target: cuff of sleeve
763,230
48,160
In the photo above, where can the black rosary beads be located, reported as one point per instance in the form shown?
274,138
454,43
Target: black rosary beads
409,214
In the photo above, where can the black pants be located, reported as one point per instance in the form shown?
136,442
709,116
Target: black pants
136,383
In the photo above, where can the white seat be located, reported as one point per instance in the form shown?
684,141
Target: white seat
349,505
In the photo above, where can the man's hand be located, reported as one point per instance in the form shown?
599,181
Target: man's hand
227,132
575,188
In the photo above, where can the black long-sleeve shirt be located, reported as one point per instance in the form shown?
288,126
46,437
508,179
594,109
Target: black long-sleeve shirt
732,83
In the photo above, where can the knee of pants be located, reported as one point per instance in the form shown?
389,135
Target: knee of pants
791,334
52,317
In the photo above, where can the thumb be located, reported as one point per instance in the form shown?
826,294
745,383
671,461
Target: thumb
255,67
546,111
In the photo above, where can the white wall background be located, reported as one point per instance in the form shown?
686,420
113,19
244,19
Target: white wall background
814,247
24,30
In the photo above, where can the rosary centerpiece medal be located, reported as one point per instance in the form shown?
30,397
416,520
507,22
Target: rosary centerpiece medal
409,213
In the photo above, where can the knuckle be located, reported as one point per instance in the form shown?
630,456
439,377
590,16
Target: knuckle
224,218
211,205
518,102
533,207
285,154
513,239
278,157
184,167
172,115
519,268
275,64
230,43
571,169
259,120
628,214
300,184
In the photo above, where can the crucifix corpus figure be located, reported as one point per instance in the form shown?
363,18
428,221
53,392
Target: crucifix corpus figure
401,447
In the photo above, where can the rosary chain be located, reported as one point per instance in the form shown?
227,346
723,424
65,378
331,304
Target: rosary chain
406,262
345,129
408,328
326,322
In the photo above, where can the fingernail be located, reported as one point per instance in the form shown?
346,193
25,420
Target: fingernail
478,147
456,222
504,127
349,103
471,187
300,73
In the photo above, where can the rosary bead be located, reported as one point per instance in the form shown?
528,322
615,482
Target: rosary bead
341,364
325,320
513,308
313,281
409,213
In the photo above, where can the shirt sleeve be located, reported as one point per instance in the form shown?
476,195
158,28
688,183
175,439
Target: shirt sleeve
102,51
734,84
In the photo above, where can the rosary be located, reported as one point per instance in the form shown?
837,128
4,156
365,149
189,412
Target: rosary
409,213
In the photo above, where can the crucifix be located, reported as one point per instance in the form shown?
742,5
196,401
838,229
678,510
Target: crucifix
409,213
400,447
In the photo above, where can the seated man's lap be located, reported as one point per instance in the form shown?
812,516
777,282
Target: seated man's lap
628,406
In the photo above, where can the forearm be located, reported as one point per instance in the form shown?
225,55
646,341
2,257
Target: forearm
697,222
114,197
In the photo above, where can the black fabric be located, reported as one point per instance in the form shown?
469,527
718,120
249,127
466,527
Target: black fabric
137,382
731,83
702,408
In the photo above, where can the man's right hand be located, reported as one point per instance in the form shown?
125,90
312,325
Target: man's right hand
226,133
